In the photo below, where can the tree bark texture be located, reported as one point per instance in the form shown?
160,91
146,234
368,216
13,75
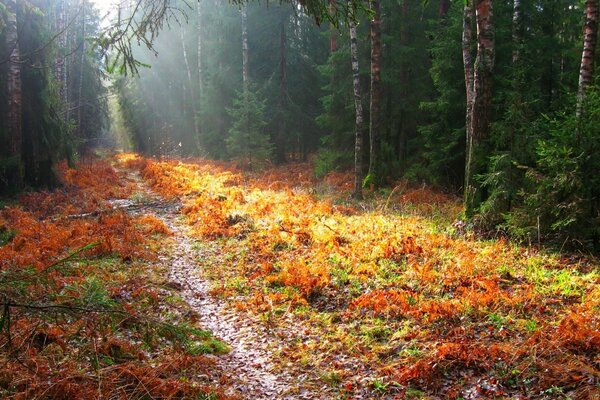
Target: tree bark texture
80,102
190,87
375,104
482,98
199,50
590,37
467,44
517,30
199,100
359,122
332,30
14,90
245,73
443,8
61,63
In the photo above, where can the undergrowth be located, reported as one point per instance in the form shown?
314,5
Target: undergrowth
85,312
394,298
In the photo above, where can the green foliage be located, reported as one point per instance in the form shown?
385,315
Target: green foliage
247,139
6,236
332,160
560,195
51,127
444,131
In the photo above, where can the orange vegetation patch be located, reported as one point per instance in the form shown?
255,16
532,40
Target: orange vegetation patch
49,225
483,309
75,329
149,224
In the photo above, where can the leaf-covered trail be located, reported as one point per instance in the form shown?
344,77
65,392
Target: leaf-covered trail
326,298
250,363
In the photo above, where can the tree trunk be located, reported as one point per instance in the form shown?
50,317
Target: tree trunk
61,66
245,73
402,126
517,30
375,107
14,92
467,42
190,88
332,30
80,103
590,37
200,99
282,89
481,103
443,8
359,127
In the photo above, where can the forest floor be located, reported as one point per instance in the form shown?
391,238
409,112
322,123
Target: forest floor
144,278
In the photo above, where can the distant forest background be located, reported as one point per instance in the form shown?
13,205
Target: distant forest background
493,99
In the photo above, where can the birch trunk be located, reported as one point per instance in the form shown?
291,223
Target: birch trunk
80,127
14,91
190,87
245,73
517,30
61,66
375,105
359,130
590,37
200,63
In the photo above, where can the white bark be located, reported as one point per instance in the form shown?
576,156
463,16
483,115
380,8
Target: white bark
245,73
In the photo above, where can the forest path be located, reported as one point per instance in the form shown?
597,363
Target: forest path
250,364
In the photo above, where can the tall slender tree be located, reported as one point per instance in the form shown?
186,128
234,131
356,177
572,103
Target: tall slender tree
82,64
245,70
14,92
482,101
590,38
517,30
200,63
359,122
189,88
375,104
443,8
467,45
61,62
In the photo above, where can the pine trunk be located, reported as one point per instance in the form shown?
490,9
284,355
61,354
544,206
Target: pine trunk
332,30
467,43
481,103
14,92
443,8
359,130
375,105
245,73
590,37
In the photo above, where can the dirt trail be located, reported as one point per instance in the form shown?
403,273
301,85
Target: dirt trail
250,364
